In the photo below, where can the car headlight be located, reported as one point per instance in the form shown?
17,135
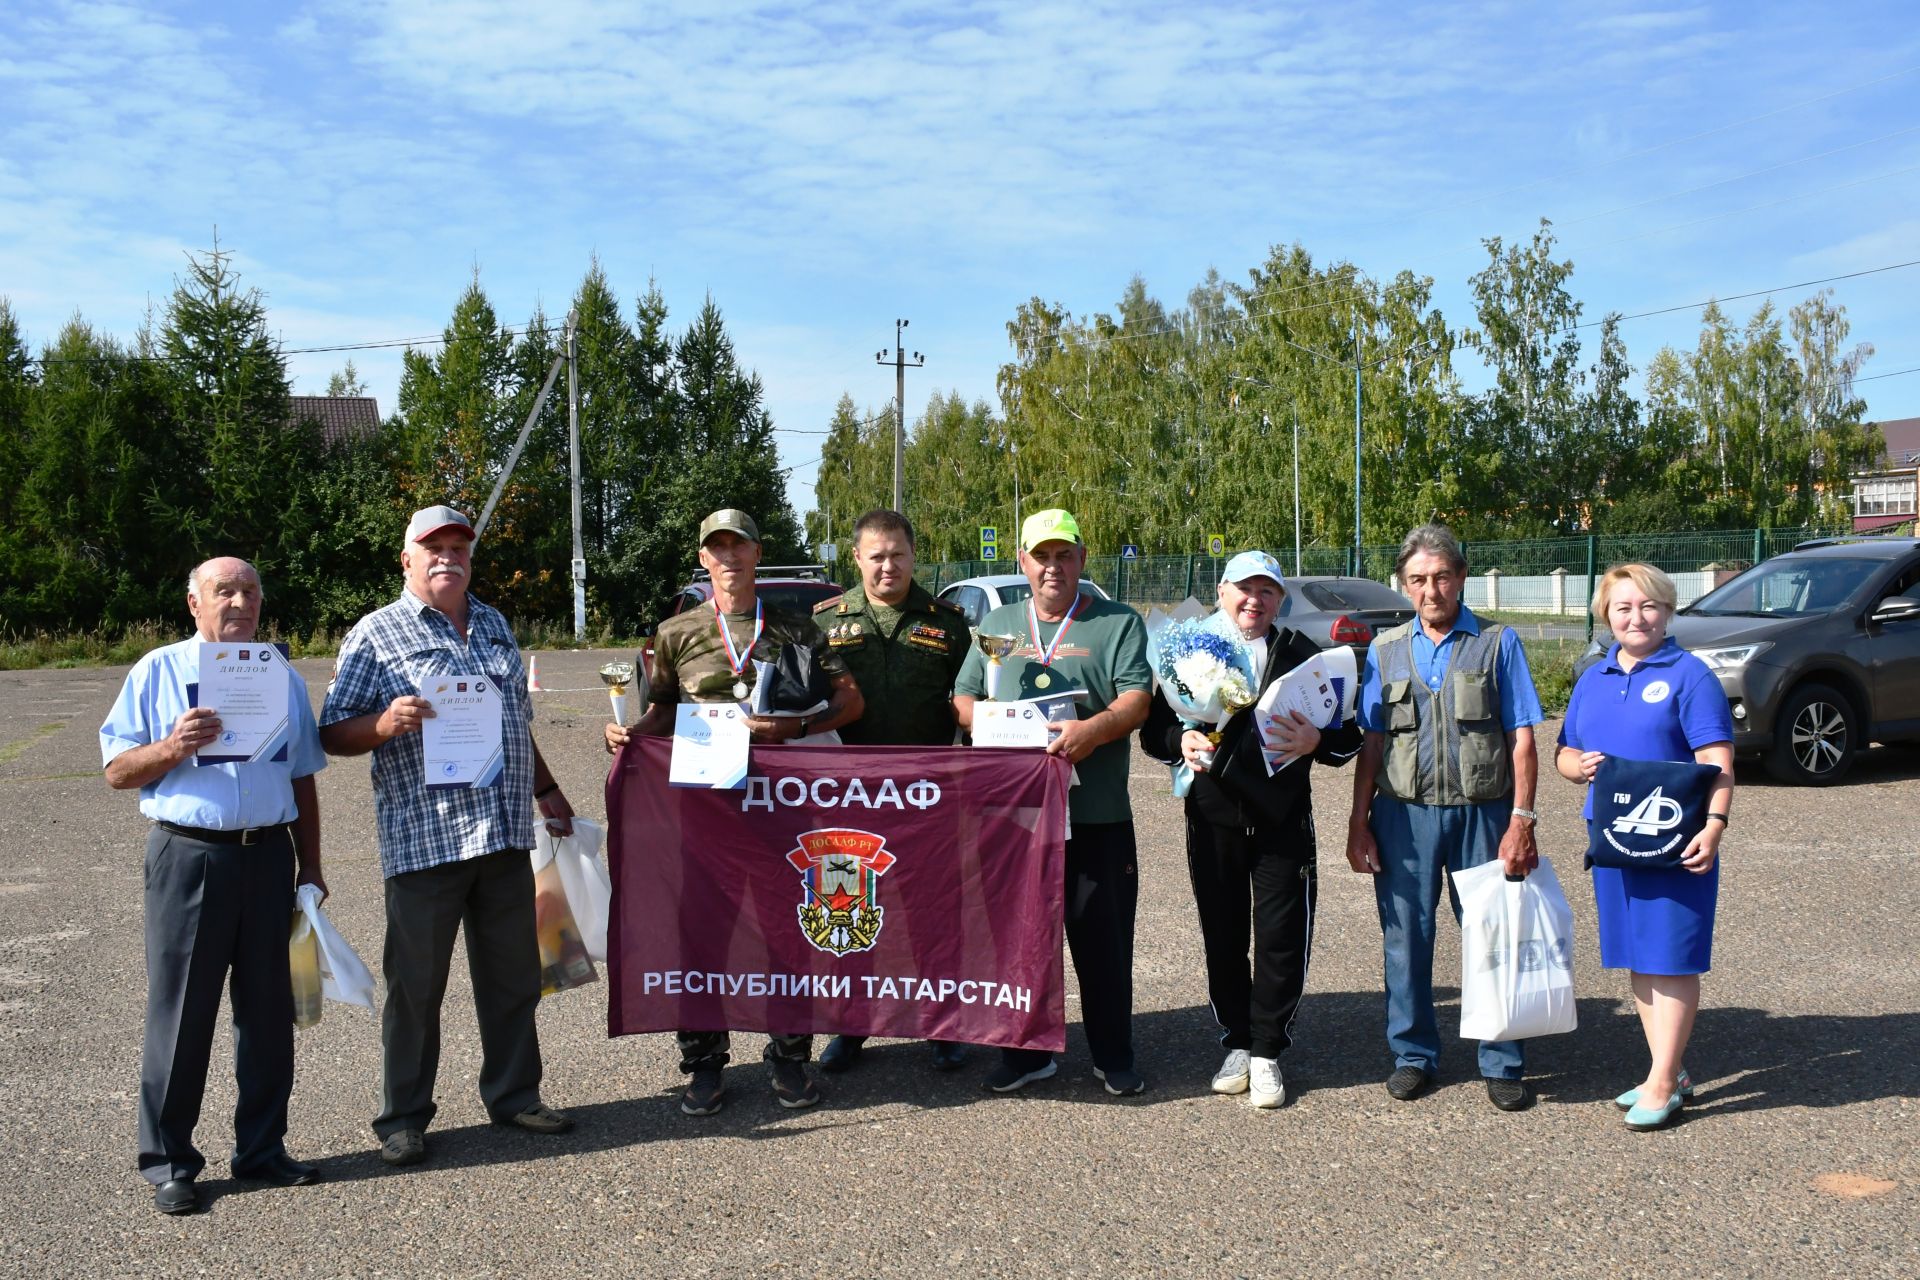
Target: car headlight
1732,656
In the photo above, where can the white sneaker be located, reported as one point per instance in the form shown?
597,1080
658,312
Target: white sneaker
1269,1090
1232,1075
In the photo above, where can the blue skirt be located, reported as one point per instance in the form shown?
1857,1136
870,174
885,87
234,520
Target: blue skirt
1656,920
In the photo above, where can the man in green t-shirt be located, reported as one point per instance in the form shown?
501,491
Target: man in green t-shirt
1070,639
706,655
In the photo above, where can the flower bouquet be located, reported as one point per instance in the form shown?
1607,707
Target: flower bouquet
1205,670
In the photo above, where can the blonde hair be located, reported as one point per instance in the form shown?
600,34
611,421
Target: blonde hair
1653,583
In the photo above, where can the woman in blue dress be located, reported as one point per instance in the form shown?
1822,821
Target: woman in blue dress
1651,700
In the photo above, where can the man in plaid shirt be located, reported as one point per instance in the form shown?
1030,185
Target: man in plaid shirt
449,855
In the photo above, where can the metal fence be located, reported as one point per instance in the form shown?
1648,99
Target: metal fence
1166,580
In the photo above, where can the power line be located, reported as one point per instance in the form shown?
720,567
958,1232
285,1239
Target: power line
1875,377
1738,297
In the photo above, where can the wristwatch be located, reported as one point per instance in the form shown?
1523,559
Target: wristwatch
803,727
1528,814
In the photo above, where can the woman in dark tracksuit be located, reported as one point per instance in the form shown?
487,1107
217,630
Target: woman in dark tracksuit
1250,845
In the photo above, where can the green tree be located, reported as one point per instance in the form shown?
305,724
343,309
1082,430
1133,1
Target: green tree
346,382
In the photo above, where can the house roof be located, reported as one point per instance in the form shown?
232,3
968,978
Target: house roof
1903,441
344,417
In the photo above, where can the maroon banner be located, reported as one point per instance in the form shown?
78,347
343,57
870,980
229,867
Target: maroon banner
887,891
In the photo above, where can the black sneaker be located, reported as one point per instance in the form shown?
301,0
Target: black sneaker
791,1084
1010,1078
1408,1083
704,1093
1121,1083
1509,1095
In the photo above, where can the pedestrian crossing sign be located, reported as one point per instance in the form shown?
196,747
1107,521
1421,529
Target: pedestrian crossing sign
1130,552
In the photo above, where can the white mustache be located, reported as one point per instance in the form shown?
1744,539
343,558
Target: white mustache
452,569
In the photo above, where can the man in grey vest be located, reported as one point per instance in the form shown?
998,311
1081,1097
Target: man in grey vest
1444,782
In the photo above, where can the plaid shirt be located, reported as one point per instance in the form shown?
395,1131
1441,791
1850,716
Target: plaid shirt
390,653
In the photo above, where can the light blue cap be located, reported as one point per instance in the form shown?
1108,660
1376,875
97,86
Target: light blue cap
1253,564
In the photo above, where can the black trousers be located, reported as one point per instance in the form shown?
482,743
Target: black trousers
709,1050
1265,876
213,909
1103,893
492,898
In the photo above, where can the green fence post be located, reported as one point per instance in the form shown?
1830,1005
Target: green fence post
1759,545
1593,566
1191,565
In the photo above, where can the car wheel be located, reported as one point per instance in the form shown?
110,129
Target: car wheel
1814,737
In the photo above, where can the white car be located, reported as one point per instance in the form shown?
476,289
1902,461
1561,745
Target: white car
977,597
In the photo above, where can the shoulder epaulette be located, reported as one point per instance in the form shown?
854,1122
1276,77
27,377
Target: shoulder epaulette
948,606
825,605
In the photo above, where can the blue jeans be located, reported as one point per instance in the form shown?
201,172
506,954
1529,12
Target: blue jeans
1416,842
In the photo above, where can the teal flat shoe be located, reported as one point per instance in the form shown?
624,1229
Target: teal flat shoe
1631,1098
1643,1119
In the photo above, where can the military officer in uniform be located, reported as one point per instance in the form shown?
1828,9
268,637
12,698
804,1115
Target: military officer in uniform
904,649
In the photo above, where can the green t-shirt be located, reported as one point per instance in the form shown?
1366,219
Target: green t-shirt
1105,653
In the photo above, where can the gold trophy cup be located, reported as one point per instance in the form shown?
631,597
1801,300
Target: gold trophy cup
618,675
996,648
1231,703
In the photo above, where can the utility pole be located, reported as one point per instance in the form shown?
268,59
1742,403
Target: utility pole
1358,570
573,462
900,365
1296,488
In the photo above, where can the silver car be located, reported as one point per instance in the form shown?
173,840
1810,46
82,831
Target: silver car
977,597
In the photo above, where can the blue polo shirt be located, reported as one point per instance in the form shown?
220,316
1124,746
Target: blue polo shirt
1519,703
1668,707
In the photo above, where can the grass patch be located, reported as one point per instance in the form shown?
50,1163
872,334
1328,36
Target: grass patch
1551,662
11,751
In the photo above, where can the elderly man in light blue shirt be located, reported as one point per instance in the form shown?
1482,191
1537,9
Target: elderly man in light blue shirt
1444,782
220,875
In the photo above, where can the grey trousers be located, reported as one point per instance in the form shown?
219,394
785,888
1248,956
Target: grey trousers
212,908
492,896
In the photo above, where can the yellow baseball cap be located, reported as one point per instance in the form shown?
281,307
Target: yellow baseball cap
1054,525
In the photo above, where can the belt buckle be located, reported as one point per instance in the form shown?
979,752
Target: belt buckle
250,836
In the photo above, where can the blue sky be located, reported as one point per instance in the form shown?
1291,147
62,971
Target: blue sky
822,171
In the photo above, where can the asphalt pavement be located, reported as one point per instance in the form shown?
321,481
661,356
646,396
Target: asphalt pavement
1797,1158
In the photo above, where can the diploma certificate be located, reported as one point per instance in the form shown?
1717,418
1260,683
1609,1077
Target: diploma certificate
246,684
462,739
709,746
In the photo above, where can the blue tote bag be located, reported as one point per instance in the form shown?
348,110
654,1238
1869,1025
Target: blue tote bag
1646,811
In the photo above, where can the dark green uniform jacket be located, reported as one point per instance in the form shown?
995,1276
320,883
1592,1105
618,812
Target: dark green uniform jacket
904,662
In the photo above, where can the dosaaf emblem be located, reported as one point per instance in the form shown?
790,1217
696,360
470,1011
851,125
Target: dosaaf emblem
840,869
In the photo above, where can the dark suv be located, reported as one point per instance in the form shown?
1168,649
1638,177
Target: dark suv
1818,650
794,587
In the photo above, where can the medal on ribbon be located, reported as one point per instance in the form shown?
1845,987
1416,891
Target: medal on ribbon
1047,651
737,659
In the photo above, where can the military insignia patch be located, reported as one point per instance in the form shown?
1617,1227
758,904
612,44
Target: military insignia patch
840,870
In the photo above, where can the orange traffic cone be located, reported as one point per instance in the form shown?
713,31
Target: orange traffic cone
533,674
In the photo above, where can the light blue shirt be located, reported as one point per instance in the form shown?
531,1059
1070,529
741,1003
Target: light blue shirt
1519,703
225,797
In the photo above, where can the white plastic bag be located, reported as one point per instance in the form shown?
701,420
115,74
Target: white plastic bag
342,976
582,875
1516,954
